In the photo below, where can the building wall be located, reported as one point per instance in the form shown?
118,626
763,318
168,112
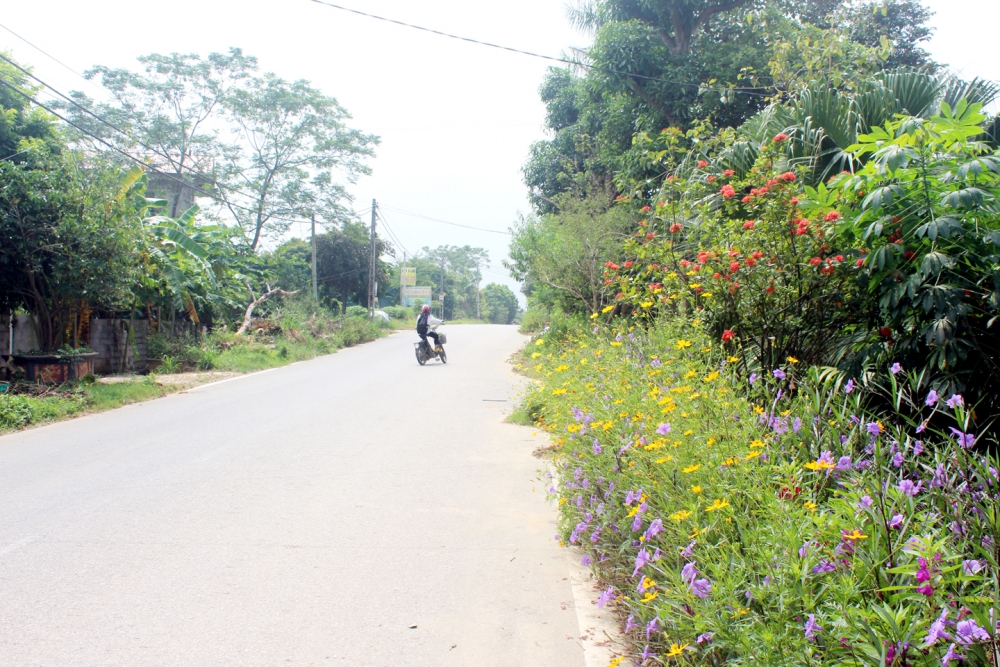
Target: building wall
25,338
109,338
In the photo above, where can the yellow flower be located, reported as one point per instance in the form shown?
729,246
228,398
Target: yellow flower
690,374
688,432
671,275
733,360
717,505
558,392
594,316
662,459
819,464
856,535
560,369
684,344
648,583
758,410
696,489
676,650
692,468
583,362
706,295
607,309
680,516
617,661
711,441
810,505
616,343
540,341
793,360
711,376
646,304
752,455
650,596
535,355
573,428
757,444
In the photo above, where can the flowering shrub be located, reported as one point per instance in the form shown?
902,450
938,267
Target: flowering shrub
757,258
733,521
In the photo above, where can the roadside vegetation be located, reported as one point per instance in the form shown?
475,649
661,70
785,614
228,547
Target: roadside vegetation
765,347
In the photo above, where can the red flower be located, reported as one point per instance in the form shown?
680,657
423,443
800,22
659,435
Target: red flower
757,254
795,201
771,183
649,236
655,286
712,179
734,267
770,289
781,136
628,264
747,199
619,295
728,192
838,258
728,172
716,275
645,209
815,261
728,335
608,281
885,331
831,216
788,176
748,224
676,227
612,266
734,253
909,254
826,270
702,164
859,263
751,261
704,256
685,263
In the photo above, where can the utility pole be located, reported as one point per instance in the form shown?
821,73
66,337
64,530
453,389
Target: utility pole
315,289
402,283
371,268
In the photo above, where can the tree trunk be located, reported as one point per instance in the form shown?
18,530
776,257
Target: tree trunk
247,318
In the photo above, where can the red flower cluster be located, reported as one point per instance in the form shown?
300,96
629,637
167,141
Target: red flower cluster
734,267
831,216
704,256
788,177
649,236
728,335
645,209
702,164
612,266
815,261
801,227
728,172
749,224
781,136
628,264
676,227
712,179
728,191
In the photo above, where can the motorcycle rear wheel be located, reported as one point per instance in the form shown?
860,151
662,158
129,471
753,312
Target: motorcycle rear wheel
421,359
443,356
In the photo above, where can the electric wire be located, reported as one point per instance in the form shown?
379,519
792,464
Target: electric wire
444,222
48,55
567,61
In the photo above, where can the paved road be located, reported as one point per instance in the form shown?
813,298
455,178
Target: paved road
303,516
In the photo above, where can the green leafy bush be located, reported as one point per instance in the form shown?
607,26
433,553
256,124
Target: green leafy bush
533,321
401,313
770,519
356,311
15,411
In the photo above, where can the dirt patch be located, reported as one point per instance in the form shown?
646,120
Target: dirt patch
177,380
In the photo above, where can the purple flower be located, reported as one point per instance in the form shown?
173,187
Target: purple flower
938,629
655,527
689,573
605,598
896,521
965,440
824,567
704,638
971,567
597,447
926,589
585,560
632,496
950,655
849,387
844,463
637,523
918,447
701,587
864,502
630,623
688,551
897,459
640,561
895,368
804,550
646,653
969,632
797,425
955,401
577,413
812,627
874,428
778,373
753,378
663,429
651,627
923,571
909,488
932,398
826,456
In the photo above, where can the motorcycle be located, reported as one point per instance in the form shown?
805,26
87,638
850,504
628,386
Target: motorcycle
425,352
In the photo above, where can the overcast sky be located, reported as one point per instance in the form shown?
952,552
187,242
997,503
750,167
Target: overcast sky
456,119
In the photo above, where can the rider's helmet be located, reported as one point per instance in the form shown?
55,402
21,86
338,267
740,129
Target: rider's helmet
426,308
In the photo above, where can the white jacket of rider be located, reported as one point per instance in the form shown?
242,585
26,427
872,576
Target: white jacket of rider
431,320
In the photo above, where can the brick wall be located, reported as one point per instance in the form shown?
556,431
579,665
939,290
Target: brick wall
109,338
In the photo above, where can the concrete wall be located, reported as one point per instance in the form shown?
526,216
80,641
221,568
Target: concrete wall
24,334
109,338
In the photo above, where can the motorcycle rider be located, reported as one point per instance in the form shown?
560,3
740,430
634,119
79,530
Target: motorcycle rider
423,320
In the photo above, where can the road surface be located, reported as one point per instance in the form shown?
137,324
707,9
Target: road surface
356,509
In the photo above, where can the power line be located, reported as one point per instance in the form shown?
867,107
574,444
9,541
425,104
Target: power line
445,222
392,234
46,54
577,63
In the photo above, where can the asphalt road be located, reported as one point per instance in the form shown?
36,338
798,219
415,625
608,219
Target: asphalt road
309,515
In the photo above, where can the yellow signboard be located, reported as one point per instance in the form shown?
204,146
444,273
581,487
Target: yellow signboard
408,276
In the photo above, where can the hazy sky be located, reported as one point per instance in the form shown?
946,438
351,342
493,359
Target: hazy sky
456,119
